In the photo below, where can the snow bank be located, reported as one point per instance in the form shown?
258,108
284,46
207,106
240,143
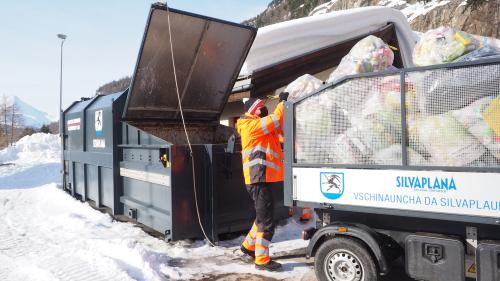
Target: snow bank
36,148
32,161
410,10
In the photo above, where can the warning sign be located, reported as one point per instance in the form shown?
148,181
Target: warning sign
98,123
74,124
472,268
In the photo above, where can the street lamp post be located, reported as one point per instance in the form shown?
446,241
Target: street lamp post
63,38
61,125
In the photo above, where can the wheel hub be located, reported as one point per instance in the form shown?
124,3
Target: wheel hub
342,265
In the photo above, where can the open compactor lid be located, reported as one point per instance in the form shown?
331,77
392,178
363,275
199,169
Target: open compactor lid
208,55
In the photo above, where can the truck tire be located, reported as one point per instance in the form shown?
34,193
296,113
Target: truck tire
344,259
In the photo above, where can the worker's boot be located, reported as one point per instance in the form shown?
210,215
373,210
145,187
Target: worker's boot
270,266
248,256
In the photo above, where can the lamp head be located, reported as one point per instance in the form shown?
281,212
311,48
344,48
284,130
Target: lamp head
61,36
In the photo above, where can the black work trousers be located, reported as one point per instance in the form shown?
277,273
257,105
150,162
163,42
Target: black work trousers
264,208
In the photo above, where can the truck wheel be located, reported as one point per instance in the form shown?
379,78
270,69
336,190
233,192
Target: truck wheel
344,259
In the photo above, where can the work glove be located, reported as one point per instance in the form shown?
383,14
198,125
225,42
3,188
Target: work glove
263,112
284,96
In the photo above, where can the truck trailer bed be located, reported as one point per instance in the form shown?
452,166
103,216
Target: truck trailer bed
416,142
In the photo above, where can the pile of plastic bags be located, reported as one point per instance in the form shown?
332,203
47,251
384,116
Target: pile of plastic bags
446,44
453,117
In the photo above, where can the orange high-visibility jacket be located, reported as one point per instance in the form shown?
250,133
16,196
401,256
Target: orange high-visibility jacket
261,151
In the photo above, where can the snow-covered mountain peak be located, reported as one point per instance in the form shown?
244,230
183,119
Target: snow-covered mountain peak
31,116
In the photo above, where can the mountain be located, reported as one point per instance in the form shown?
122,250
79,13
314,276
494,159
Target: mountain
114,86
30,116
480,17
283,10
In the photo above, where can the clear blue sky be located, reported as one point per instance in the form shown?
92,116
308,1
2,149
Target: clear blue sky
102,45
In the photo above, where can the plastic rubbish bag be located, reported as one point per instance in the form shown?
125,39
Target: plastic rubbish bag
481,53
442,90
350,148
373,112
472,119
390,92
314,130
366,137
302,86
318,122
492,115
393,155
488,41
442,45
448,141
370,54
380,130
380,118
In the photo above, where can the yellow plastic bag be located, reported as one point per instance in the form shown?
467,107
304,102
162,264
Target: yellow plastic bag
492,115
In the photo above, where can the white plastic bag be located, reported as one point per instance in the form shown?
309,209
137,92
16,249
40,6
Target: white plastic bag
472,119
393,155
302,86
448,141
442,45
350,148
370,54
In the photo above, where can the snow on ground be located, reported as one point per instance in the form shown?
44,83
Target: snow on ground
420,9
410,10
414,10
47,235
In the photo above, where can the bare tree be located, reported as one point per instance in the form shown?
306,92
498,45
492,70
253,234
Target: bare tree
4,121
15,121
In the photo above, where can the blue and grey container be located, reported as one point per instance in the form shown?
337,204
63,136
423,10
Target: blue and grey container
92,133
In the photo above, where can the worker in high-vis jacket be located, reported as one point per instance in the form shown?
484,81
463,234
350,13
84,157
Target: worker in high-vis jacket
262,165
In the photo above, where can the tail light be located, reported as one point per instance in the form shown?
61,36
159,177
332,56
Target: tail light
308,233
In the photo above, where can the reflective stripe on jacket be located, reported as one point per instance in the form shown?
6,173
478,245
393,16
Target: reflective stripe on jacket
261,151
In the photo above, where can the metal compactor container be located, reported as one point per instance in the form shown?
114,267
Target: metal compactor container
127,153
157,167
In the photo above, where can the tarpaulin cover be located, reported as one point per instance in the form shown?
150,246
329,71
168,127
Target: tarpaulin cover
282,41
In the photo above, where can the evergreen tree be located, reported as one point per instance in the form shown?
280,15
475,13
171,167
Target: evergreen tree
45,129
